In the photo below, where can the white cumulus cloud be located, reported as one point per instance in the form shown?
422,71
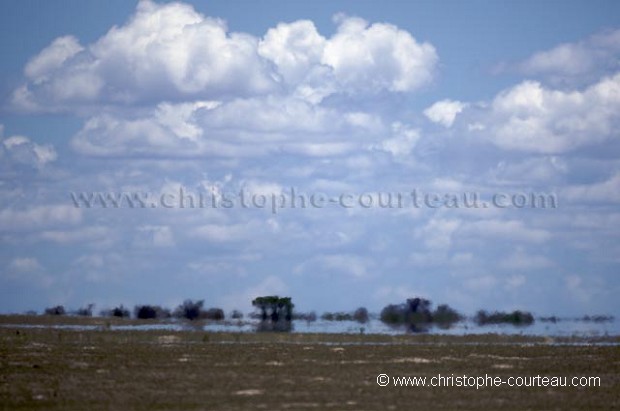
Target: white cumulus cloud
23,151
378,56
578,62
167,52
444,112
38,217
530,117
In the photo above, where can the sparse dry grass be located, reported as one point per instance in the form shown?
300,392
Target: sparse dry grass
50,369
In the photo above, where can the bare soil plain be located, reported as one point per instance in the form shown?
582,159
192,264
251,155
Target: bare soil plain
59,369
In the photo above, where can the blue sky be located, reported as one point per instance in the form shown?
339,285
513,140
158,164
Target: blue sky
337,98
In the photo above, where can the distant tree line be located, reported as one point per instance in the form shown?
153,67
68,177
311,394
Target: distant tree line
516,318
308,317
276,313
585,318
189,309
360,315
418,315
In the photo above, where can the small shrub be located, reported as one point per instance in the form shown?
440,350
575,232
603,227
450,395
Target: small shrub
340,316
58,310
85,311
445,316
149,312
236,315
216,314
393,314
145,312
327,316
361,315
119,312
190,310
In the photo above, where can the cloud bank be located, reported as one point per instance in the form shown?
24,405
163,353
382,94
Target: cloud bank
173,99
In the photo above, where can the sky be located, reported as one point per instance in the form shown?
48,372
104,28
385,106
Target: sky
156,151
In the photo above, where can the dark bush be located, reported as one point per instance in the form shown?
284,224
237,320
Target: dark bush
340,316
414,311
149,312
216,314
145,312
445,316
393,314
120,312
236,315
85,311
327,316
58,310
361,315
190,310
416,314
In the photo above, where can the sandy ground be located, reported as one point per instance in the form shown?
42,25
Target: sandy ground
52,369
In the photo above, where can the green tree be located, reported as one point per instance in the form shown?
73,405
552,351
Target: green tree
276,313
